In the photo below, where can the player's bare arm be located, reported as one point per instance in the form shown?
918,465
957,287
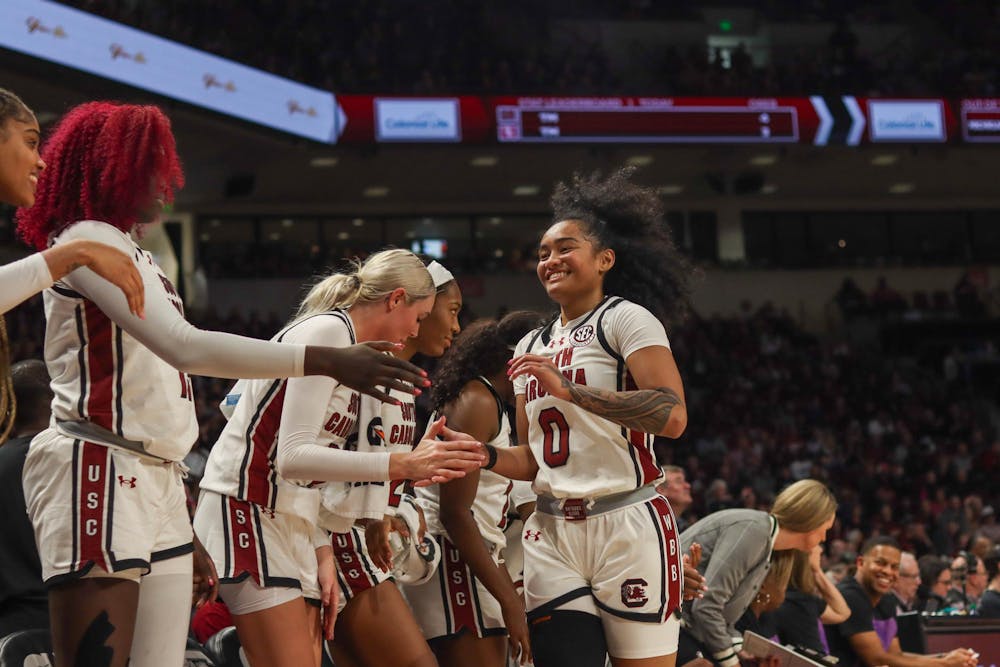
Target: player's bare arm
646,410
656,407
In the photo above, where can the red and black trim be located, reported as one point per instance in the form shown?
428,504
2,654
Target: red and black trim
556,602
257,481
355,571
245,546
102,369
671,566
640,444
93,511
463,611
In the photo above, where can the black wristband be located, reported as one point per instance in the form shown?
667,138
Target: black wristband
492,460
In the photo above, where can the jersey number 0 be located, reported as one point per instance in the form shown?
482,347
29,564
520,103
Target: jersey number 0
555,448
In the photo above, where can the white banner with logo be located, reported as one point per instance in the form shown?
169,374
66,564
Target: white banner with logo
417,120
906,120
98,46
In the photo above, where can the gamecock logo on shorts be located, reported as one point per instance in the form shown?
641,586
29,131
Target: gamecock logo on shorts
376,435
634,592
582,335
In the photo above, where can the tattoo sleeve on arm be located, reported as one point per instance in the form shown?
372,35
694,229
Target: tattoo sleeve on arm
646,410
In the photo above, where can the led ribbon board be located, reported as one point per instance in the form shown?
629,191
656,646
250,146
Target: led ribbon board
111,50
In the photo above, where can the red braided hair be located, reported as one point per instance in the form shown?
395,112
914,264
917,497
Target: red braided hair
107,162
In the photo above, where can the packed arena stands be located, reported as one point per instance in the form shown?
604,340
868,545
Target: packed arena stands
879,378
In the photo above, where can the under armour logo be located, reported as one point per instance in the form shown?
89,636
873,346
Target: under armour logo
533,535
127,483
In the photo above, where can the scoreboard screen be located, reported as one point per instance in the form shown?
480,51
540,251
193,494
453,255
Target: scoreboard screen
621,120
981,120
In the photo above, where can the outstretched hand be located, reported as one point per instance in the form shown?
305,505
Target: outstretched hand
367,368
436,461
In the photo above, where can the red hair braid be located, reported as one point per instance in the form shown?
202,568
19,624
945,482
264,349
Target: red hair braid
107,162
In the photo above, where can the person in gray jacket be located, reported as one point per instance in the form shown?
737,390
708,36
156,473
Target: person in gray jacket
736,551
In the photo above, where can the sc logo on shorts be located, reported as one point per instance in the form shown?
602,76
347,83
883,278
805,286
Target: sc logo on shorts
634,593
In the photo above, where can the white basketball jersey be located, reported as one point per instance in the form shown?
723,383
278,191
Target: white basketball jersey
579,454
492,497
242,462
381,427
102,375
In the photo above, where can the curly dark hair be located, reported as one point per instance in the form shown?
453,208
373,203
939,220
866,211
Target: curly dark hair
484,348
629,219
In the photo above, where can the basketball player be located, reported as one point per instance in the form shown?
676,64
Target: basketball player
20,165
470,605
365,561
258,511
103,484
439,329
603,571
434,337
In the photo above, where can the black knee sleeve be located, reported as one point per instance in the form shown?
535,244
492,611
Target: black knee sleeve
564,638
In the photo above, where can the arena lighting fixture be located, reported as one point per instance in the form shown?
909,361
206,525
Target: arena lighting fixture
484,161
358,222
884,159
343,236
323,162
495,220
670,189
639,160
526,190
768,189
375,191
205,236
274,236
841,243
901,188
287,222
763,160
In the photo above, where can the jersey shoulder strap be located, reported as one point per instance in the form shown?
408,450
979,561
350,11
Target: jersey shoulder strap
337,313
545,333
603,337
501,408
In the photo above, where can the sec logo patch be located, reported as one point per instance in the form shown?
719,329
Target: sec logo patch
582,335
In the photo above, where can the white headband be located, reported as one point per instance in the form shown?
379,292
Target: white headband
440,274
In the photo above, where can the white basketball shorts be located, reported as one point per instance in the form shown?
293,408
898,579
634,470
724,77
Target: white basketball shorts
100,507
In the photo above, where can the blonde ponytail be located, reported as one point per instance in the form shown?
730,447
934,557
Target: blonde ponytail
370,281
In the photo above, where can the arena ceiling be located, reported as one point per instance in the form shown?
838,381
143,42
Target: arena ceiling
236,168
